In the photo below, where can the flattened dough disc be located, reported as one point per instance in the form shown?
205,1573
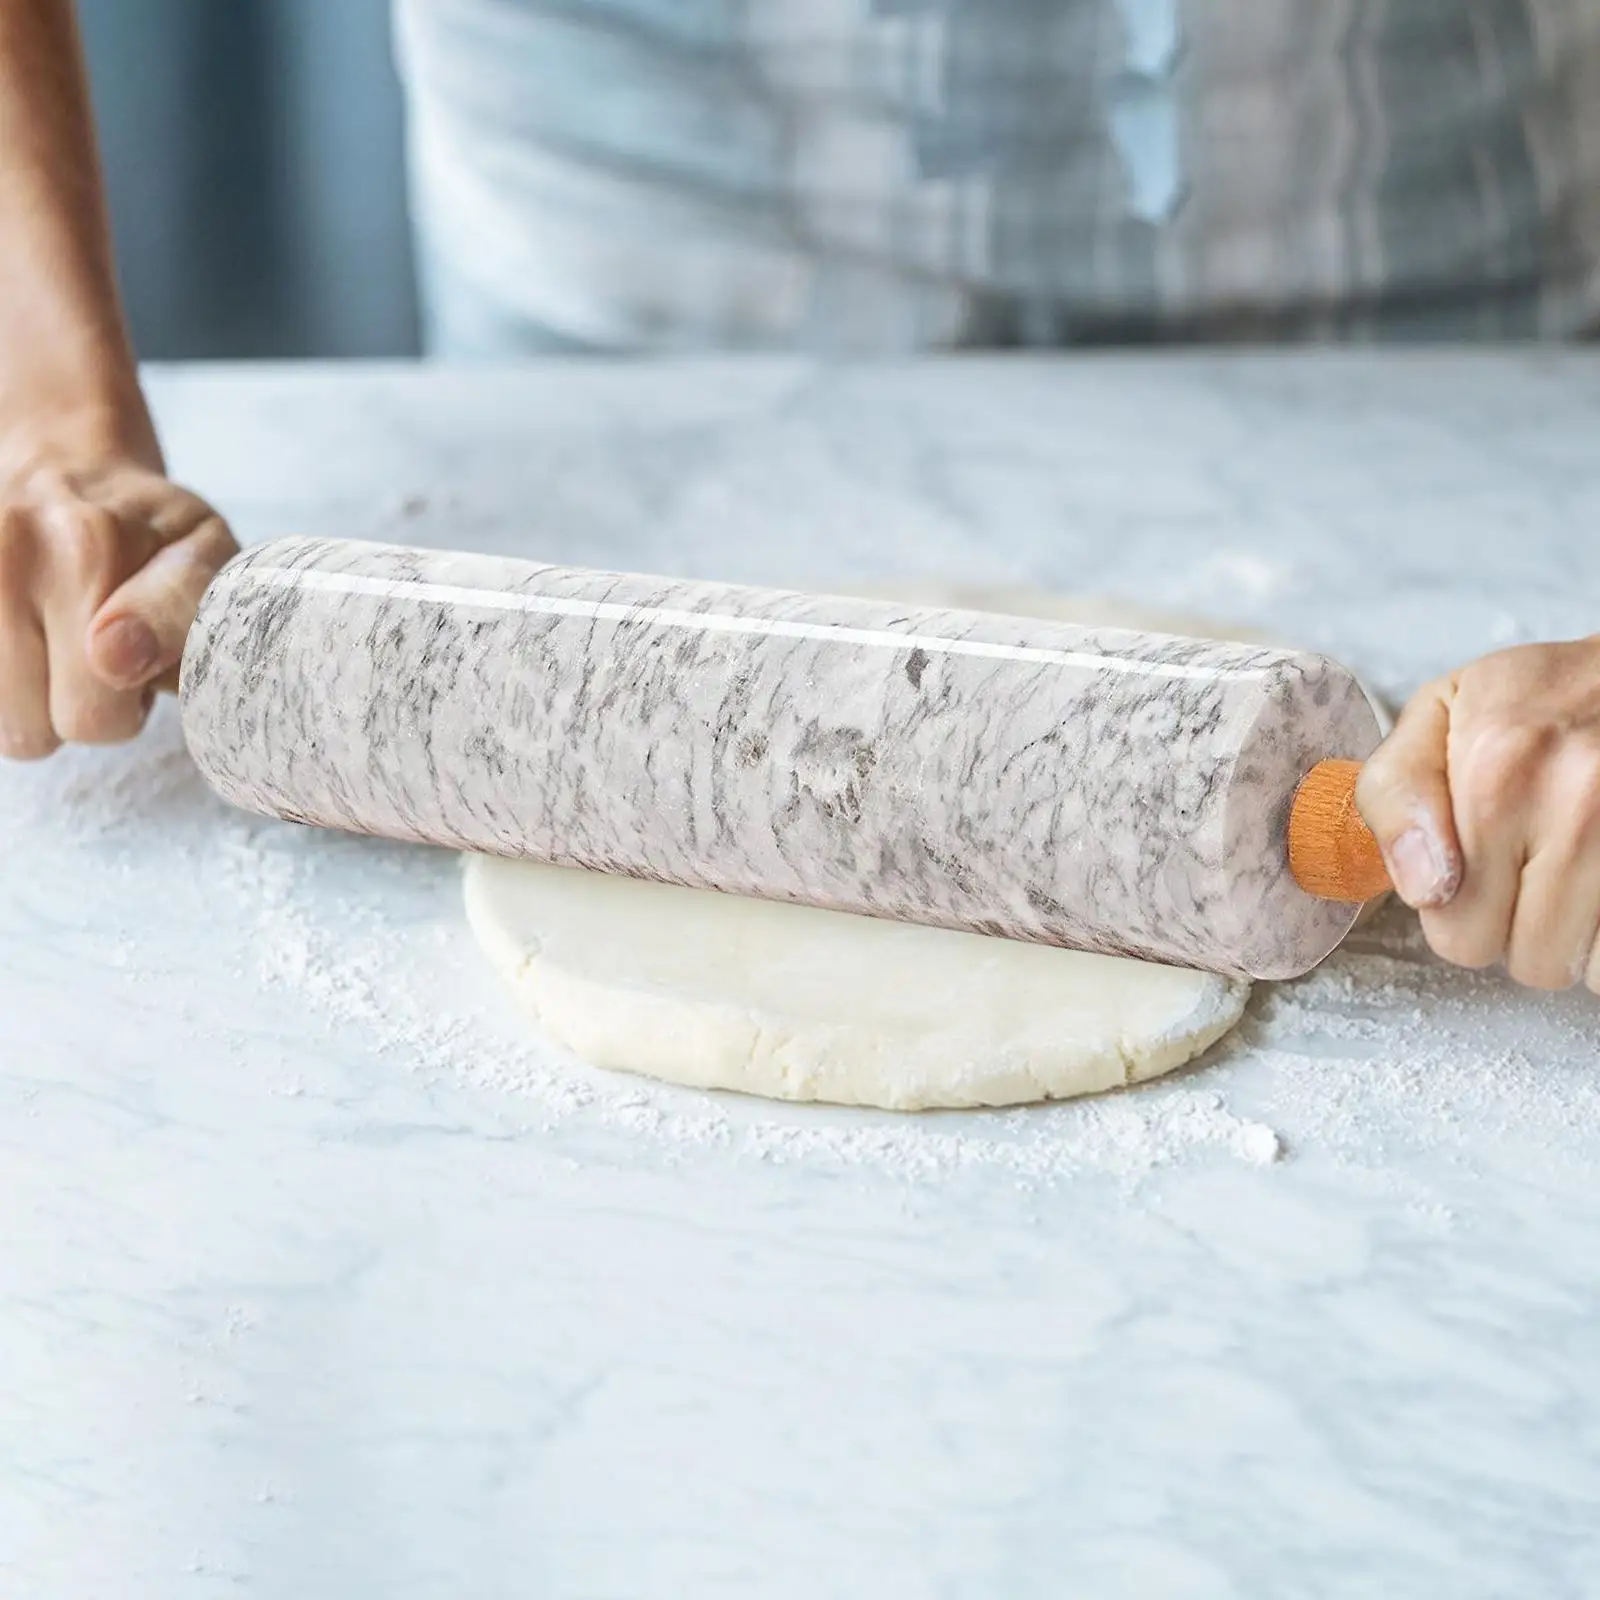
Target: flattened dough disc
800,1004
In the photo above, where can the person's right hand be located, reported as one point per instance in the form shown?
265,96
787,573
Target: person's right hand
103,561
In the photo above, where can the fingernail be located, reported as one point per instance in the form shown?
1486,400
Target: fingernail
127,649
1422,875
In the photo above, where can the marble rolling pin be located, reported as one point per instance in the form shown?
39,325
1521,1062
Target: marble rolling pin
1107,790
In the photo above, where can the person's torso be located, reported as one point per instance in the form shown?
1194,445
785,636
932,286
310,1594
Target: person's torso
883,174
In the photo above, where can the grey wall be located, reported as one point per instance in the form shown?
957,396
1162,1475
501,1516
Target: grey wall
253,151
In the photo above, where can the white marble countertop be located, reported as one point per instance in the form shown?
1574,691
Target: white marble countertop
322,1277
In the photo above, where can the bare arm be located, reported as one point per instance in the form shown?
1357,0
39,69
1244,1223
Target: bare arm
67,355
102,560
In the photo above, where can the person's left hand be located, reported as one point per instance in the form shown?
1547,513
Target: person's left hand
1486,802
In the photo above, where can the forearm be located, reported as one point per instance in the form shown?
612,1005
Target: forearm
66,365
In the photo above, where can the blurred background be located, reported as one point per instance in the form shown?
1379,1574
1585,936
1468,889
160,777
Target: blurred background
304,249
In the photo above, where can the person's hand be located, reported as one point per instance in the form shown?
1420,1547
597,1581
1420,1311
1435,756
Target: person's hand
103,562
1486,802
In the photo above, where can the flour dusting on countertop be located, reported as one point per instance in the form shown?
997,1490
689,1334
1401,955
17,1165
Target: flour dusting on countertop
1382,1046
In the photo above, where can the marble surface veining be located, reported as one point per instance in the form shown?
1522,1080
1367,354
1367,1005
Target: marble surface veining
321,1276
1095,788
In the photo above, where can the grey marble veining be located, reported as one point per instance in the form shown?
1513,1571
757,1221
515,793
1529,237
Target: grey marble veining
1102,789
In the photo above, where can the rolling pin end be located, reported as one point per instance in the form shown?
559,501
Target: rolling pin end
1332,852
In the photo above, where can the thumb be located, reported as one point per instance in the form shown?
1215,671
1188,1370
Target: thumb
1404,797
136,637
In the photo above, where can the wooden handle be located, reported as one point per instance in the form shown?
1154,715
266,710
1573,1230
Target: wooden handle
1332,853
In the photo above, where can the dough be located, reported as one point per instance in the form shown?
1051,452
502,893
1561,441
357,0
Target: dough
799,1004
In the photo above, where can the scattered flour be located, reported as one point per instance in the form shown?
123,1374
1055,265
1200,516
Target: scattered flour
1256,1143
339,953
1382,1047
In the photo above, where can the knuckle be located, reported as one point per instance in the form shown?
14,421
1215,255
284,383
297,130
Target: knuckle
16,545
98,719
1375,786
190,510
1578,784
27,741
1386,791
85,542
1461,940
1540,969
216,546
1499,770
1421,701
204,551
